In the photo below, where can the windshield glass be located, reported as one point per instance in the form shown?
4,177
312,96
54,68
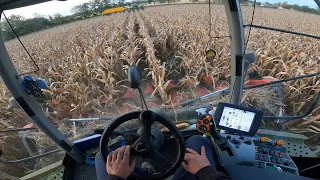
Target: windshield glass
83,49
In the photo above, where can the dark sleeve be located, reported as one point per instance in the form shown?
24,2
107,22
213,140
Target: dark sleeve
113,177
210,173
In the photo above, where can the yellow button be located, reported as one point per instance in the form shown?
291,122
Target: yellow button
264,139
280,142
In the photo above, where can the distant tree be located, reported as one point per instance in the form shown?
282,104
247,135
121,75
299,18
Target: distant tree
82,9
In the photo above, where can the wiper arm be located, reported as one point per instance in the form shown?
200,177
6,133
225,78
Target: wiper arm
191,101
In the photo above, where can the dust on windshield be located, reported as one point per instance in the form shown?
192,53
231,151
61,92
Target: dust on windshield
83,58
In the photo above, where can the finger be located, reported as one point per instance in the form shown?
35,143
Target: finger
132,165
109,157
203,151
184,165
114,155
187,156
192,151
120,153
126,154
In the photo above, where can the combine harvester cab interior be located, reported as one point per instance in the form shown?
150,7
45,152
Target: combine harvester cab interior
145,103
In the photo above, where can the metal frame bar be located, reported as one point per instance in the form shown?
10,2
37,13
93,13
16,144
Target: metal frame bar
31,107
29,158
234,17
281,30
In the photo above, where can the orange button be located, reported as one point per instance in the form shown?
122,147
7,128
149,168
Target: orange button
264,139
280,142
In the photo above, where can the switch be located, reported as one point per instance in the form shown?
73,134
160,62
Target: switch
257,157
271,152
279,161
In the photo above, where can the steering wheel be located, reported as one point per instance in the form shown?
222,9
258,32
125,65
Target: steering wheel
143,146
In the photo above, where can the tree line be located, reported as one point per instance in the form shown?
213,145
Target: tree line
23,25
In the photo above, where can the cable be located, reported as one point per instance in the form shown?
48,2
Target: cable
249,33
209,18
34,62
142,97
141,100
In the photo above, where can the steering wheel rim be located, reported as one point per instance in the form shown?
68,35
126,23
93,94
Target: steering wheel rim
166,122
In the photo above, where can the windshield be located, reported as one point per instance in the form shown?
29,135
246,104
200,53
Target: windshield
84,49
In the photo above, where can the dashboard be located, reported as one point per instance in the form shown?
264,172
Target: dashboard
243,148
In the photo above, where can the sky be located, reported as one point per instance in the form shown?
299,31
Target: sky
47,8
309,3
64,7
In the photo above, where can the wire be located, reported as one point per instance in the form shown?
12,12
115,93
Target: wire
14,32
141,100
142,97
210,19
249,33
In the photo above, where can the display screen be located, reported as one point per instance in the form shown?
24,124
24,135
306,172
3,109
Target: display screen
236,119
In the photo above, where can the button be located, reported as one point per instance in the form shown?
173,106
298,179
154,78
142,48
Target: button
280,143
265,151
241,137
228,137
264,139
279,160
247,142
281,154
273,159
276,154
205,121
266,158
199,122
272,153
262,165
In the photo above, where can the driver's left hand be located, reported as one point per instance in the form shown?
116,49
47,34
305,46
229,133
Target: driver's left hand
118,162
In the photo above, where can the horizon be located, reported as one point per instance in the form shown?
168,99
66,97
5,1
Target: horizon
64,7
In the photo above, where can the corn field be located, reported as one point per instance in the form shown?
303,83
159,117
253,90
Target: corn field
85,62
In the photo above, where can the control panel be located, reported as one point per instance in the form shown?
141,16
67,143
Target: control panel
272,155
240,151
257,152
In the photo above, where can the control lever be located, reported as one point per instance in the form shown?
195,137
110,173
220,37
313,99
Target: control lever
218,139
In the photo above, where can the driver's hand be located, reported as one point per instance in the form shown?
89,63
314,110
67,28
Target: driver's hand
193,162
118,162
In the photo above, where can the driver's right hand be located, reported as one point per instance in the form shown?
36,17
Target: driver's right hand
193,161
118,162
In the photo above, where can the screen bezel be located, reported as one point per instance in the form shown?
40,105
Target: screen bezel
255,123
